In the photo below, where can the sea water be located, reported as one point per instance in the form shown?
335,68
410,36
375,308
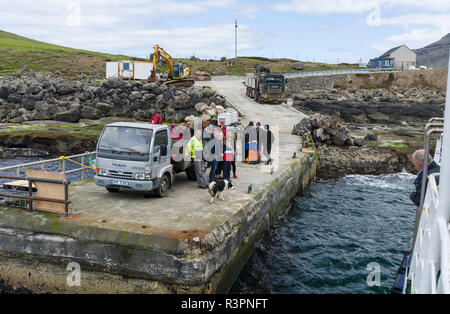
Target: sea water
341,236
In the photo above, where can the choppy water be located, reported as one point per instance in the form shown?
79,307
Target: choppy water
331,235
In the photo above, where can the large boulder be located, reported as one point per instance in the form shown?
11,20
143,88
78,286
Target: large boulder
208,92
14,98
65,90
104,107
114,82
297,66
41,106
4,92
340,137
300,97
71,115
89,113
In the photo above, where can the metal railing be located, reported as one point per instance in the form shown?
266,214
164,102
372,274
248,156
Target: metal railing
312,73
429,271
42,163
30,198
337,72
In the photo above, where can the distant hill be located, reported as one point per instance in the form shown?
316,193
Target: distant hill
17,51
434,55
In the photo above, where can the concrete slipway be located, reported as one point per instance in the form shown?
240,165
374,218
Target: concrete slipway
125,243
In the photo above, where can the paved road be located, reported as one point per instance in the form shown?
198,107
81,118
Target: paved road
282,116
187,208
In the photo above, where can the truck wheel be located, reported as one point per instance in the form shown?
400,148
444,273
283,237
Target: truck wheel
190,172
258,99
112,190
164,186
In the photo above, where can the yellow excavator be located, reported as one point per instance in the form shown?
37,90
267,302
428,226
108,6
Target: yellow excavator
177,73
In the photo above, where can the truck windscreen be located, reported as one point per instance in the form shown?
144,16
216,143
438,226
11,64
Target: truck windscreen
275,80
125,143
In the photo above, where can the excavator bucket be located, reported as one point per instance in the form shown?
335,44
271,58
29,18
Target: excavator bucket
152,77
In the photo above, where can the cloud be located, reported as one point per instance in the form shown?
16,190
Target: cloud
414,39
324,7
437,20
420,30
131,27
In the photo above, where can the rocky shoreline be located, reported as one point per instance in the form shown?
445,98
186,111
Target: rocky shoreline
29,96
364,149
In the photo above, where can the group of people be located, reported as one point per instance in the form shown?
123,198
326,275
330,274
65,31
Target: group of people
217,146
211,144
257,140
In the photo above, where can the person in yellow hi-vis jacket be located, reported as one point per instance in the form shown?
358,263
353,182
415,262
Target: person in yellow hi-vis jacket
195,148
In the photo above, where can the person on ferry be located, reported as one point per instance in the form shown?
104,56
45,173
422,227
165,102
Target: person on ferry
418,160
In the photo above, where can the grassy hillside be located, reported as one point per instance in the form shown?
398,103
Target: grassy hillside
17,51
243,65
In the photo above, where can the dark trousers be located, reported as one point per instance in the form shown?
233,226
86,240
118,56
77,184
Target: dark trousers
219,167
233,165
226,169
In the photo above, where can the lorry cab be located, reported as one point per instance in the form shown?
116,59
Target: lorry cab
135,156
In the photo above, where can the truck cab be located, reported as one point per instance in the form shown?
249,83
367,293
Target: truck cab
135,156
266,87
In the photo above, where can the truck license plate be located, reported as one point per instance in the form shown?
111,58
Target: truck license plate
118,182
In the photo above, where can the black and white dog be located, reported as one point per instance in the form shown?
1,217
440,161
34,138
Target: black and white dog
217,188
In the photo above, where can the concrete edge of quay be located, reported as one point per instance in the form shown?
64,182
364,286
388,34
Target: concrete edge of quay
35,248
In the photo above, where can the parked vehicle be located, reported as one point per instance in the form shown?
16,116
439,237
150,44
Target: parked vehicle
265,86
139,157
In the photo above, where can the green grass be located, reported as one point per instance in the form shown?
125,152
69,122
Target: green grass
94,130
398,144
17,51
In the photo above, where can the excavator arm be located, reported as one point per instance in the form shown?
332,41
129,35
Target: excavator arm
159,52
177,73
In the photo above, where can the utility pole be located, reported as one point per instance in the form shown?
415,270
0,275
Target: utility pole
235,38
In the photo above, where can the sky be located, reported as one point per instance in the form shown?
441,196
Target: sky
332,31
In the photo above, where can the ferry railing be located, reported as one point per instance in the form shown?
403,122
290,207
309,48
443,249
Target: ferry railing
435,125
429,271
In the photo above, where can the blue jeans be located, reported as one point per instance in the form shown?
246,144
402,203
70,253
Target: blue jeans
212,172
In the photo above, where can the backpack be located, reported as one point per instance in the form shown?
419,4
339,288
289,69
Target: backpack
157,119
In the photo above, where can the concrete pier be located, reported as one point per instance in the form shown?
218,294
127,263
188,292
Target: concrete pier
125,243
